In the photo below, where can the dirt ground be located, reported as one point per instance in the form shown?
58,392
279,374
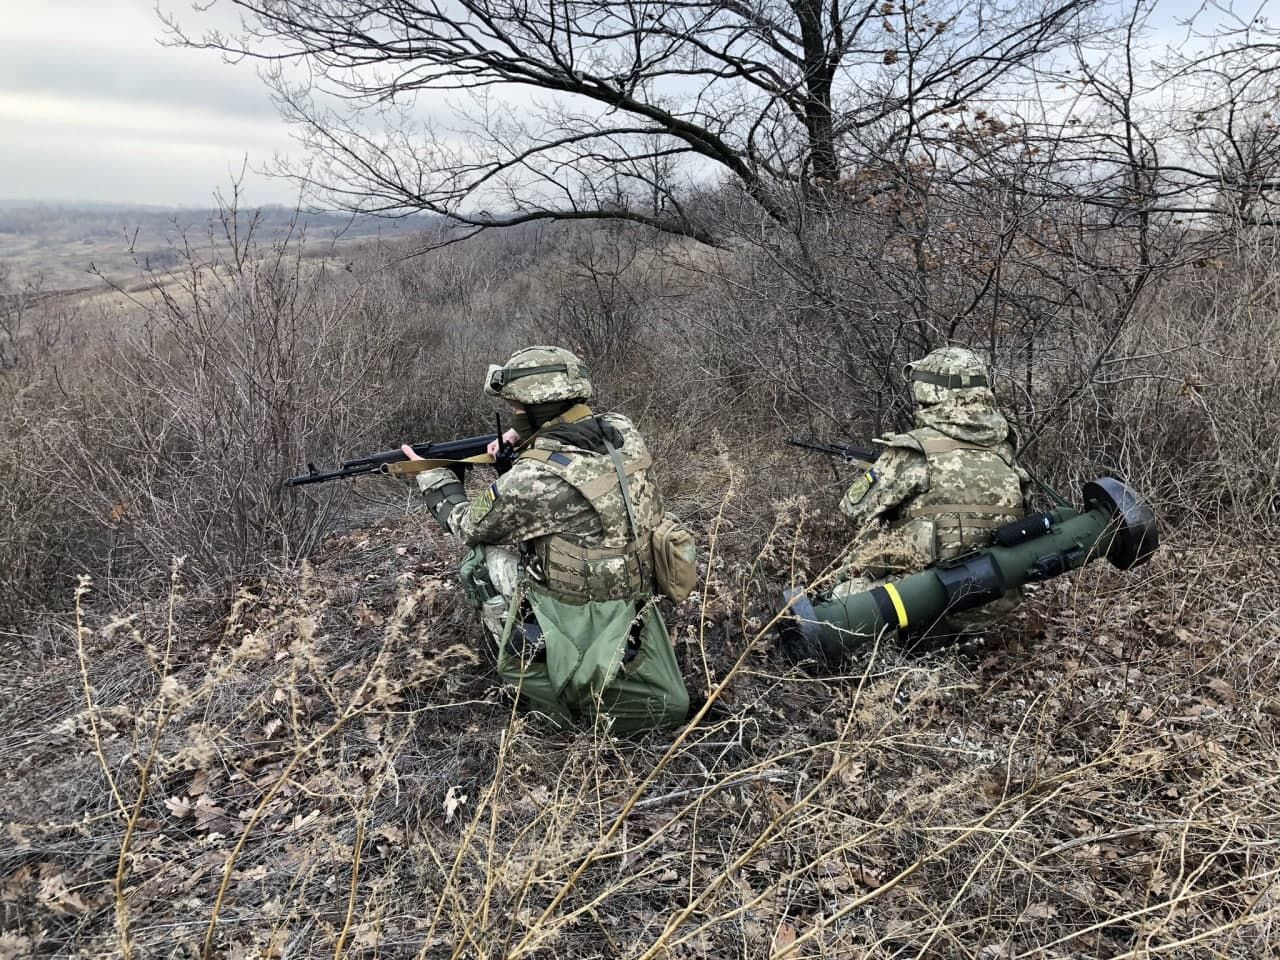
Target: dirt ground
332,768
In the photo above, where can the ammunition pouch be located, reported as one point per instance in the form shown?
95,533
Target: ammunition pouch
675,559
579,574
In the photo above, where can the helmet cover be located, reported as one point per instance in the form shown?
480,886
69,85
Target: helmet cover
948,373
539,375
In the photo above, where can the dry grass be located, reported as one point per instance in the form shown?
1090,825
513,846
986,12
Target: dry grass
279,758
333,771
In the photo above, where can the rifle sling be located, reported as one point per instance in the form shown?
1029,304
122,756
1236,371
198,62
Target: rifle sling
403,469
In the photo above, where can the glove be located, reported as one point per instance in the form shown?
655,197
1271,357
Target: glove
443,491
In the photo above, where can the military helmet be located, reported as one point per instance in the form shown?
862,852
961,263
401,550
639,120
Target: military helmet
539,375
943,372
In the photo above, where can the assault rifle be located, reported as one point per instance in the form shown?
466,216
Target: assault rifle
457,454
847,452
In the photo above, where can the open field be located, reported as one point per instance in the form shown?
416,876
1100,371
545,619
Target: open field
59,248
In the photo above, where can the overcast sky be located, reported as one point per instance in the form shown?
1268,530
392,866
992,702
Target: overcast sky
93,108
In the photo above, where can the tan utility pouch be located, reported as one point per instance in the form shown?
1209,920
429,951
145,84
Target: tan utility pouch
675,558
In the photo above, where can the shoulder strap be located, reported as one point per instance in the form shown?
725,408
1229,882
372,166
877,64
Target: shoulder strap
948,444
618,468
902,441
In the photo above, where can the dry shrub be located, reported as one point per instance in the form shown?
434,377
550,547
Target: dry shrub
248,357
34,533
40,337
1186,409
331,767
246,364
333,771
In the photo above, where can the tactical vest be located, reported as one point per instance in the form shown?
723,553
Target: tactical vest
617,562
972,489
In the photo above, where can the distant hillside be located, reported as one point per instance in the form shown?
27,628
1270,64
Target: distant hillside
58,245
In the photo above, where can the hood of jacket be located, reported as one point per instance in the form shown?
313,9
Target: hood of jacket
969,415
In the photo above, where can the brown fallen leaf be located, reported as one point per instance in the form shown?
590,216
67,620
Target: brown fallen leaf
1040,911
208,814
55,893
1225,691
784,937
390,833
14,946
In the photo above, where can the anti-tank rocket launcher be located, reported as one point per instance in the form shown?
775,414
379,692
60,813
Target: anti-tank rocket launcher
1114,524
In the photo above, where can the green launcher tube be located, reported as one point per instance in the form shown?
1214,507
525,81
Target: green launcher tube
1114,524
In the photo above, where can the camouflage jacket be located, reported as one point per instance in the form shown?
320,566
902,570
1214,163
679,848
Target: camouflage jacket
939,490
562,504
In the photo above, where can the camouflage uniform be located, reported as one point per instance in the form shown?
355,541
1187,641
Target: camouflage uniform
570,605
939,490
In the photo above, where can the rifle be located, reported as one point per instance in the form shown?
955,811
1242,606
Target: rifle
847,452
458,454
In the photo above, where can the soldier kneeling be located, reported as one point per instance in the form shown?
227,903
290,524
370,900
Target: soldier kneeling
939,490
561,565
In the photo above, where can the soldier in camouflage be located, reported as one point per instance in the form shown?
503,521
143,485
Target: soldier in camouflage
561,563
939,490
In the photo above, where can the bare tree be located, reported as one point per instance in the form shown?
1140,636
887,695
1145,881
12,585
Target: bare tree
1033,222
594,109
1234,124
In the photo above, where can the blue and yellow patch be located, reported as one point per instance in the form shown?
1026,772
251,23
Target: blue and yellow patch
482,504
862,486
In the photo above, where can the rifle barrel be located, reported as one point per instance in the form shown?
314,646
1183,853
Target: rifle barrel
441,450
847,452
316,476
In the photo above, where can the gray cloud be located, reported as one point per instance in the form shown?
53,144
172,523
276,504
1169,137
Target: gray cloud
112,50
55,166
159,75
94,108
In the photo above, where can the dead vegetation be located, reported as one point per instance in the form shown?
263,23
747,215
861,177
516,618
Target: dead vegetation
289,741
330,769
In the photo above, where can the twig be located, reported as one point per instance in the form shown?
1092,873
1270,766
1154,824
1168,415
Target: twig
775,775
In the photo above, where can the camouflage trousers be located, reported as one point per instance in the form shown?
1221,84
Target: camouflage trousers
489,576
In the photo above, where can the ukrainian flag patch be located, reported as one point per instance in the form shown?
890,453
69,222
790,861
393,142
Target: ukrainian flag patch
482,504
862,486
